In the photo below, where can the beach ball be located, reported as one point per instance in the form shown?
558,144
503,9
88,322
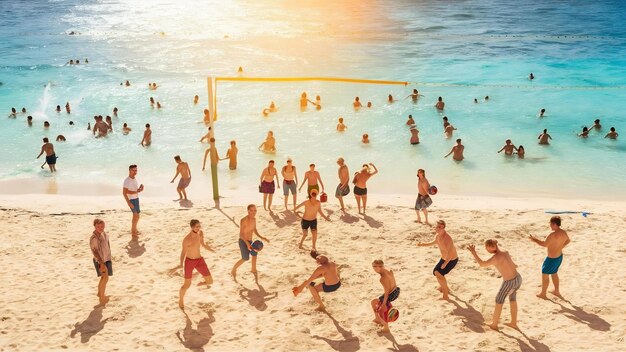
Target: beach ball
432,190
392,315
257,245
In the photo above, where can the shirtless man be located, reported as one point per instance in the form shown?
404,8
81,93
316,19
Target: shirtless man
449,130
195,99
410,121
131,191
207,136
357,104
360,185
508,148
51,158
190,254
269,145
311,177
511,280
331,283
147,136
544,137
100,128
449,257
231,155
268,185
67,107
304,101
542,112
126,129
312,207
390,293
596,125
343,189
415,95
101,250
423,200
182,169
247,229
457,151
440,104
290,182
340,126
612,134
212,151
390,99
555,242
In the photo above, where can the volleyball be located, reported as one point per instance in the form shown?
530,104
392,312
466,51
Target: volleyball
392,315
257,245
432,190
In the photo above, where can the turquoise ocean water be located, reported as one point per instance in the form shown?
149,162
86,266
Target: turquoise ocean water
459,50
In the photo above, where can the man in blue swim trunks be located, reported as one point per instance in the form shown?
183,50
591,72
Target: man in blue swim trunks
247,228
449,257
331,283
555,242
130,191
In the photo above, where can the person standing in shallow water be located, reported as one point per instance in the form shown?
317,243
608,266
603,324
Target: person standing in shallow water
544,138
555,242
51,158
508,148
511,280
231,155
440,104
192,258
101,250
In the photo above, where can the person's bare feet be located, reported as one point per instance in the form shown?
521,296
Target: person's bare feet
104,300
445,298
418,221
233,273
320,309
542,295
427,223
557,293
377,322
385,330
514,326
493,326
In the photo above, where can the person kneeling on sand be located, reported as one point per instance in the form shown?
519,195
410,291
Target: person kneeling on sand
390,294
511,280
192,258
331,283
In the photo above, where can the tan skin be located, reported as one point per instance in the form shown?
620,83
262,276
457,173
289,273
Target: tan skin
326,269
311,177
125,192
191,250
268,175
544,138
457,152
312,207
104,273
184,171
422,188
290,174
388,281
448,253
508,269
508,148
48,148
361,182
344,178
247,229
231,154
212,152
555,242
147,137
269,145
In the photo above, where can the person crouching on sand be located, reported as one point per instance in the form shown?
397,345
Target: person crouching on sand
511,280
331,283
390,292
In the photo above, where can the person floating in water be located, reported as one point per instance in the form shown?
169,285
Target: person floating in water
391,292
51,158
612,134
555,242
544,137
508,148
457,151
449,256
331,283
511,280
531,76
191,257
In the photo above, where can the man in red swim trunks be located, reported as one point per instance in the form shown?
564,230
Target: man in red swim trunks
192,258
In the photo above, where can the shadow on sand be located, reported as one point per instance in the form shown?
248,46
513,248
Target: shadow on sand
289,218
396,346
257,297
472,318
531,346
91,326
185,203
134,249
373,223
350,343
231,218
195,339
593,321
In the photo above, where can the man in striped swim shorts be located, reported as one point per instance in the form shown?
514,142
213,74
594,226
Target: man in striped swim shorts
512,280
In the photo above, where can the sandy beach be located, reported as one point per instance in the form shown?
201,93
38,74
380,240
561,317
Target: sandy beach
48,290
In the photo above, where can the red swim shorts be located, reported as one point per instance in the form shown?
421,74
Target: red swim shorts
198,264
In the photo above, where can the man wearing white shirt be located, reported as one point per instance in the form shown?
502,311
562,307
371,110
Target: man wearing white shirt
131,195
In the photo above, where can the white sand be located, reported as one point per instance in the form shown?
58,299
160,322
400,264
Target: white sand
48,283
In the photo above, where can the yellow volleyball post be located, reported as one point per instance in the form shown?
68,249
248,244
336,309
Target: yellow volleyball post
211,105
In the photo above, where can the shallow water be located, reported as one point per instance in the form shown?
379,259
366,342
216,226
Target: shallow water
459,50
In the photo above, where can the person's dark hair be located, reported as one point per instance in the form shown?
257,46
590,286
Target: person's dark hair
133,166
410,116
543,110
125,124
458,140
250,206
508,141
147,125
177,158
311,165
29,117
194,222
545,130
314,254
422,170
440,99
491,243
271,162
556,220
520,147
97,221
357,98
441,222
445,118
233,142
597,120
45,140
612,129
585,129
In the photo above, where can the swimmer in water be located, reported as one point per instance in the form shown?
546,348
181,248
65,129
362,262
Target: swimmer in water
584,133
612,134
231,155
60,138
151,101
58,109
369,104
304,101
126,129
46,124
414,96
542,112
440,104
486,97
115,111
508,148
269,145
597,125
357,104
67,107
13,113
340,126
366,139
521,152
195,100
544,137
410,121
449,130
390,98
531,76
317,102
147,136
457,151
475,101
415,139
29,120
158,105
271,108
